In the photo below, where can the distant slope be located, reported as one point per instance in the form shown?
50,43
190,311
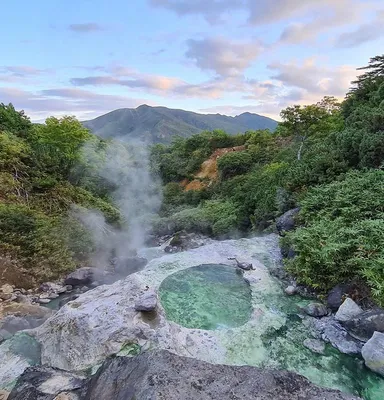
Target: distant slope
160,124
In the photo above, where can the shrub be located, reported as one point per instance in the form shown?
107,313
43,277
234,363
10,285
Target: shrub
342,234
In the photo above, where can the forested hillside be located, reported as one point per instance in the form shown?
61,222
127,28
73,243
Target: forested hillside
327,158
44,179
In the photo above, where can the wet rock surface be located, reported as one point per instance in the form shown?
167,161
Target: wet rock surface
373,353
287,221
331,331
44,383
316,310
163,375
363,326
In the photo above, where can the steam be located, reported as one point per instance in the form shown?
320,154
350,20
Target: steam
125,170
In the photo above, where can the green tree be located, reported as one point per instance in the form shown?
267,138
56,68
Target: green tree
315,120
14,121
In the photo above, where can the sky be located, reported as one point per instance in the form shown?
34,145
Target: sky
89,57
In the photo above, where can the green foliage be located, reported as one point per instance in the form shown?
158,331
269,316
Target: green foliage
57,144
39,187
14,121
35,240
341,239
213,217
235,163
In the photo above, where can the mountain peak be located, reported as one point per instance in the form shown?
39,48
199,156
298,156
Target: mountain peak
160,124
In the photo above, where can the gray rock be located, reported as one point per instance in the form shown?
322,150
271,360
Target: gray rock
81,276
44,301
45,383
348,310
21,298
373,353
21,316
290,290
331,331
315,345
365,324
286,222
317,310
163,375
337,295
146,302
50,287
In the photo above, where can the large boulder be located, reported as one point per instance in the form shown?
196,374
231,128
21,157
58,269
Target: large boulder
82,276
331,331
365,324
348,310
287,221
373,353
45,383
163,375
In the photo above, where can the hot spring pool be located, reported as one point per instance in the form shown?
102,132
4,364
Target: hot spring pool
209,296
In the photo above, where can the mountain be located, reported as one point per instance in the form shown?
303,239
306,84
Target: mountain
160,124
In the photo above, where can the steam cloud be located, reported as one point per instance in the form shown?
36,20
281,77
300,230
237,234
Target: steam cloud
135,192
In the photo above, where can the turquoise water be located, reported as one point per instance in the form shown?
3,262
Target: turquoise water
207,297
214,297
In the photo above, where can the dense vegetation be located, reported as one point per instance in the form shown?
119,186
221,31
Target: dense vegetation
327,158
44,175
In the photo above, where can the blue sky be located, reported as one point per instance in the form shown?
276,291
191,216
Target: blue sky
88,57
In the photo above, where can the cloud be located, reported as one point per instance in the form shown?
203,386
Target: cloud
364,33
318,80
211,10
66,101
20,70
225,57
86,28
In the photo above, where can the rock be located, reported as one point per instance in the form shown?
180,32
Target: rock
53,296
160,374
21,298
68,288
4,395
50,287
286,222
44,383
6,296
44,301
164,375
316,346
338,294
246,266
363,326
81,276
66,300
290,290
331,331
317,310
348,310
20,316
146,302
6,289
373,353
